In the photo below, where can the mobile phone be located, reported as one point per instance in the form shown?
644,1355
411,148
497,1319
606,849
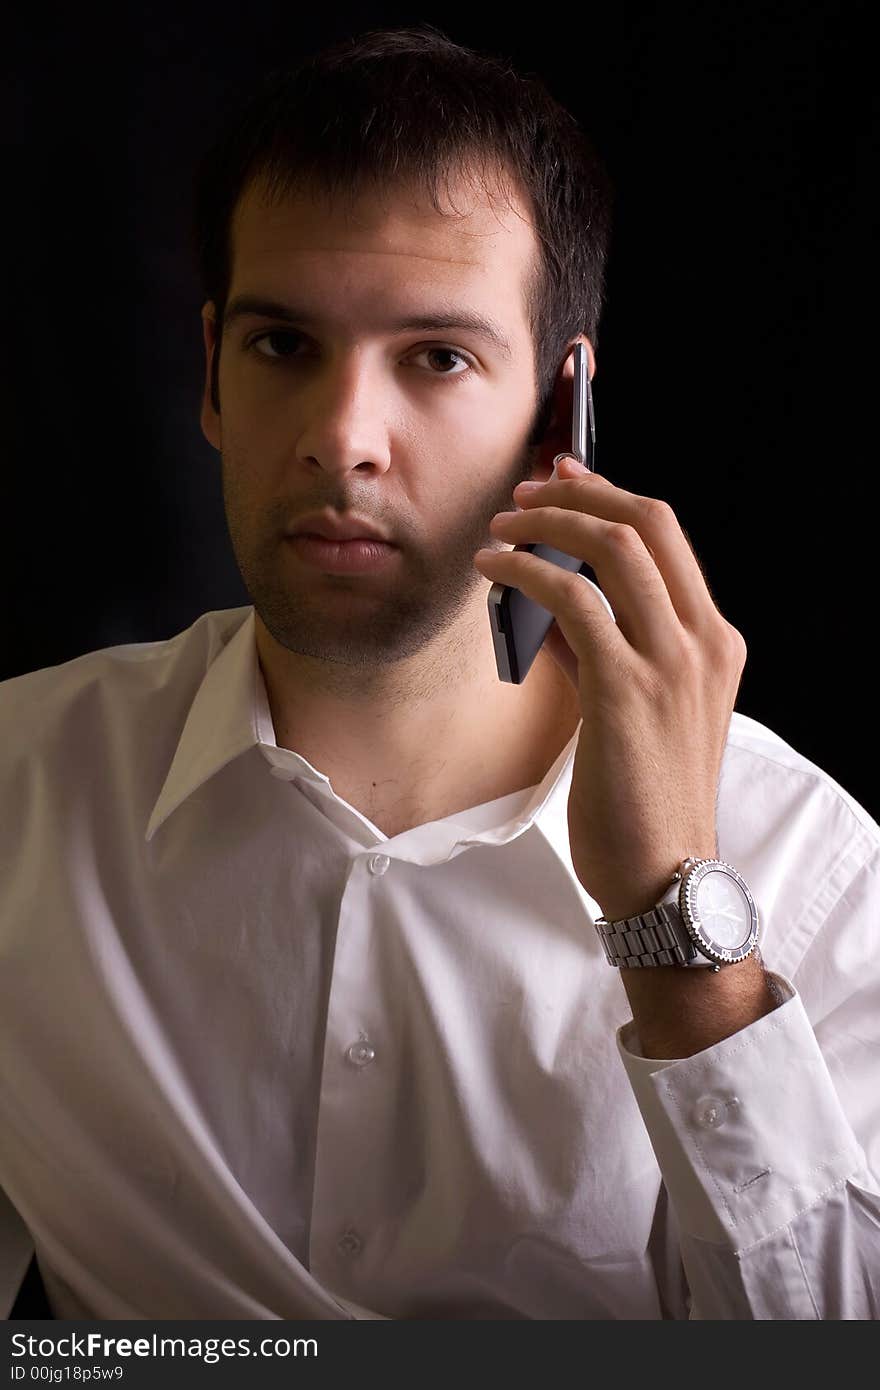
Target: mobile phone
519,625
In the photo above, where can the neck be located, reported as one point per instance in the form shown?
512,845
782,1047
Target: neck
424,737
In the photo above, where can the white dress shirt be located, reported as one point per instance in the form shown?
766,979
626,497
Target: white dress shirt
258,1060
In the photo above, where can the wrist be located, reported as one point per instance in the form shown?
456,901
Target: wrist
679,1012
644,886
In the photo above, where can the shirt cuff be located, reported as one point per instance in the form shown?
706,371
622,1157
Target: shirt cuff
748,1133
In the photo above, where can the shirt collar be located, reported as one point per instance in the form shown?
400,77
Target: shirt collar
220,726
230,714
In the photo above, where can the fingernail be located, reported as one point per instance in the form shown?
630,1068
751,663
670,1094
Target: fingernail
529,486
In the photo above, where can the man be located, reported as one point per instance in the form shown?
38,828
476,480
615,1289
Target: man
317,1001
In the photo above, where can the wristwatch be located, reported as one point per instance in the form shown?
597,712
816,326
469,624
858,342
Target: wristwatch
707,917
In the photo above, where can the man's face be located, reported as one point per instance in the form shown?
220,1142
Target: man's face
420,431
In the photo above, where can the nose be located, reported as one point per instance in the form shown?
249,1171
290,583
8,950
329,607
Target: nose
343,418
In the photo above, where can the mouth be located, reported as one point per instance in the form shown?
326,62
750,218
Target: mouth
340,529
352,555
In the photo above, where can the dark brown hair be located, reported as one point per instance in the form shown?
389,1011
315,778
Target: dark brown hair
410,107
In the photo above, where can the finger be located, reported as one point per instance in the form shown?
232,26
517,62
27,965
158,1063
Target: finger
561,653
568,466
655,522
625,571
580,614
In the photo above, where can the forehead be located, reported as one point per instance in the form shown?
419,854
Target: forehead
482,242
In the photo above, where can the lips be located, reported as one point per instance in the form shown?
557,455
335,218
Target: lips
333,528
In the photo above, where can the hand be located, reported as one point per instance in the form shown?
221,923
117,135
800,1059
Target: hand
657,688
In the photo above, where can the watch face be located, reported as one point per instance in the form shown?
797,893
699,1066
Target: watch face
720,913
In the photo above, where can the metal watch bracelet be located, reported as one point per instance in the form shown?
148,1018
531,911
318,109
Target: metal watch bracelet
662,939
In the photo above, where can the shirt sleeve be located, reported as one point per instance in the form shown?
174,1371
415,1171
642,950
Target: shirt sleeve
16,1249
772,1177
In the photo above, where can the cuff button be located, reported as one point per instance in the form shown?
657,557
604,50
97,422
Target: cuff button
710,1112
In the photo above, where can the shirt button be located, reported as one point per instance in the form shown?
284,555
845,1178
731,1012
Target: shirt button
360,1054
710,1112
349,1243
378,863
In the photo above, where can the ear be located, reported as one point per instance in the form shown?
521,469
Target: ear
557,440
210,420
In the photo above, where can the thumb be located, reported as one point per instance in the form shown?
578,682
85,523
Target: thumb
562,653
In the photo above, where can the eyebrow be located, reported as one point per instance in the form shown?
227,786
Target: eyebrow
245,305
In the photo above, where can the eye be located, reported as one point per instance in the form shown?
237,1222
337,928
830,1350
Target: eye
449,352
275,333
436,350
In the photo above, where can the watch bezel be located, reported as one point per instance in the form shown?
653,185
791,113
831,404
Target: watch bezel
721,955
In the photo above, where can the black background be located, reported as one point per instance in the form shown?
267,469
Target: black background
736,365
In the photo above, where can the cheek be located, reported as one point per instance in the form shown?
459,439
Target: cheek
466,503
